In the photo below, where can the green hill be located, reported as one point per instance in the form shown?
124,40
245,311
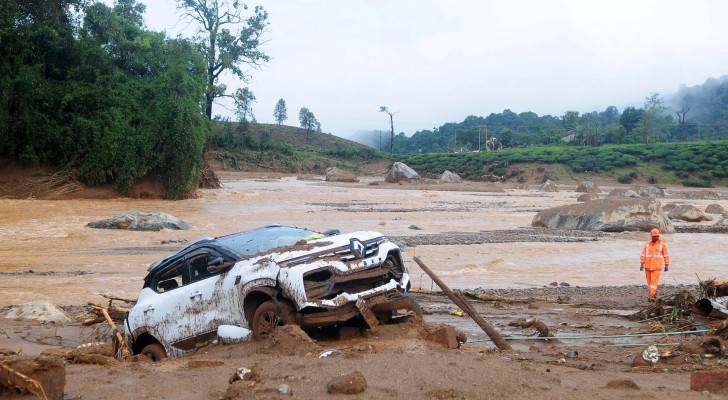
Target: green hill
693,164
284,148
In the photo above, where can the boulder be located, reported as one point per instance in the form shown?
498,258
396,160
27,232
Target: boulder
586,197
38,311
609,215
668,207
587,187
335,174
49,372
549,186
140,221
400,172
623,193
652,192
688,213
702,195
450,177
714,209
352,383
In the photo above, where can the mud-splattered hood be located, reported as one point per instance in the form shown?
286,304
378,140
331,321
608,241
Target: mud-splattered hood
339,245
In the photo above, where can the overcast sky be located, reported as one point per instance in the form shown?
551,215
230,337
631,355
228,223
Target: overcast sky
439,61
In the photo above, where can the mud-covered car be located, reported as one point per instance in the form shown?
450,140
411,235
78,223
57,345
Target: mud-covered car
264,278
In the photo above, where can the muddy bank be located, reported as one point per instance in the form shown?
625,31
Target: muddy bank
500,236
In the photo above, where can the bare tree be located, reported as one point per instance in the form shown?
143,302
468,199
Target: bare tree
685,107
384,109
228,37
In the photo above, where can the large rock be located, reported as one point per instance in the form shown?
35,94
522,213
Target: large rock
334,174
702,195
652,192
549,186
609,215
38,311
352,383
714,209
587,187
400,172
669,207
140,221
450,177
623,193
688,213
586,197
49,372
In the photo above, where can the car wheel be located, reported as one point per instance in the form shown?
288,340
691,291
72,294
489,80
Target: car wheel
154,352
268,316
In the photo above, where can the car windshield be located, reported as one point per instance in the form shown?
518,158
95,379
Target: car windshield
264,239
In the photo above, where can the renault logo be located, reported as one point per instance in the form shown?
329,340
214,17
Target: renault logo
357,248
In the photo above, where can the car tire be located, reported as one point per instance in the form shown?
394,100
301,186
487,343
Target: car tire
154,352
268,316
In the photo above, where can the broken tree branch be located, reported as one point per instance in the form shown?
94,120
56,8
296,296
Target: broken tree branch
465,306
119,337
22,381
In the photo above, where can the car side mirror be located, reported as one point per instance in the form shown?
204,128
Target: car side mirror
331,232
217,264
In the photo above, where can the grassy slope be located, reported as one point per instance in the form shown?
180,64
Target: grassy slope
665,162
298,153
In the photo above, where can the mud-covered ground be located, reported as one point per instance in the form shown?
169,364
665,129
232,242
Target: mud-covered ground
398,363
473,235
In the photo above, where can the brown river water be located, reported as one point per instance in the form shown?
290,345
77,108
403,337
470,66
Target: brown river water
71,263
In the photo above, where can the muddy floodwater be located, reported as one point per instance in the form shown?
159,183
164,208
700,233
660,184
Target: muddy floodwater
47,253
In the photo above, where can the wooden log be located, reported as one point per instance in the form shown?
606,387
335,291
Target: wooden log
460,301
502,299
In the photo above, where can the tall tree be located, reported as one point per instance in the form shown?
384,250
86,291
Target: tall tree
280,113
229,37
308,121
385,110
244,100
651,124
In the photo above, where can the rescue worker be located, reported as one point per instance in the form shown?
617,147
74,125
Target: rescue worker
653,259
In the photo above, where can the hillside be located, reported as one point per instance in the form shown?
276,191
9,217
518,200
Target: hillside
692,164
284,148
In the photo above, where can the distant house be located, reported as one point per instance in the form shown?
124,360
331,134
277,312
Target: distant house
569,138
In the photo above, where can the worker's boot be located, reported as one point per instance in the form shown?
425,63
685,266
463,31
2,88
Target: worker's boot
650,299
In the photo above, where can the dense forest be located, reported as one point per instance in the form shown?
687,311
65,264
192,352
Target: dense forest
693,113
86,87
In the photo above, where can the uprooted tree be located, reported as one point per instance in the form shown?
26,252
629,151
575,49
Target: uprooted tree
229,37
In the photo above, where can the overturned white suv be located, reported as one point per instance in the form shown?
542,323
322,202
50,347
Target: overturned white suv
264,278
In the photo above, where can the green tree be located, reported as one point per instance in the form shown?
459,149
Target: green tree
630,117
280,113
652,124
244,99
229,38
308,121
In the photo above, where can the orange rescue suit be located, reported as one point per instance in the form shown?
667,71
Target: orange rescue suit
654,257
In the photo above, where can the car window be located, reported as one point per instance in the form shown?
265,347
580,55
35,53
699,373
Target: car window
198,266
171,278
264,239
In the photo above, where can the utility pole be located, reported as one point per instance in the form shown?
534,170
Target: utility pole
380,139
479,139
486,139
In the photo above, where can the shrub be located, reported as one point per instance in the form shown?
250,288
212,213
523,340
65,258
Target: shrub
697,183
652,180
625,179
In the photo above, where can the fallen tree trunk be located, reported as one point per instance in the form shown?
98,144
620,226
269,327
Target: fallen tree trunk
460,301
